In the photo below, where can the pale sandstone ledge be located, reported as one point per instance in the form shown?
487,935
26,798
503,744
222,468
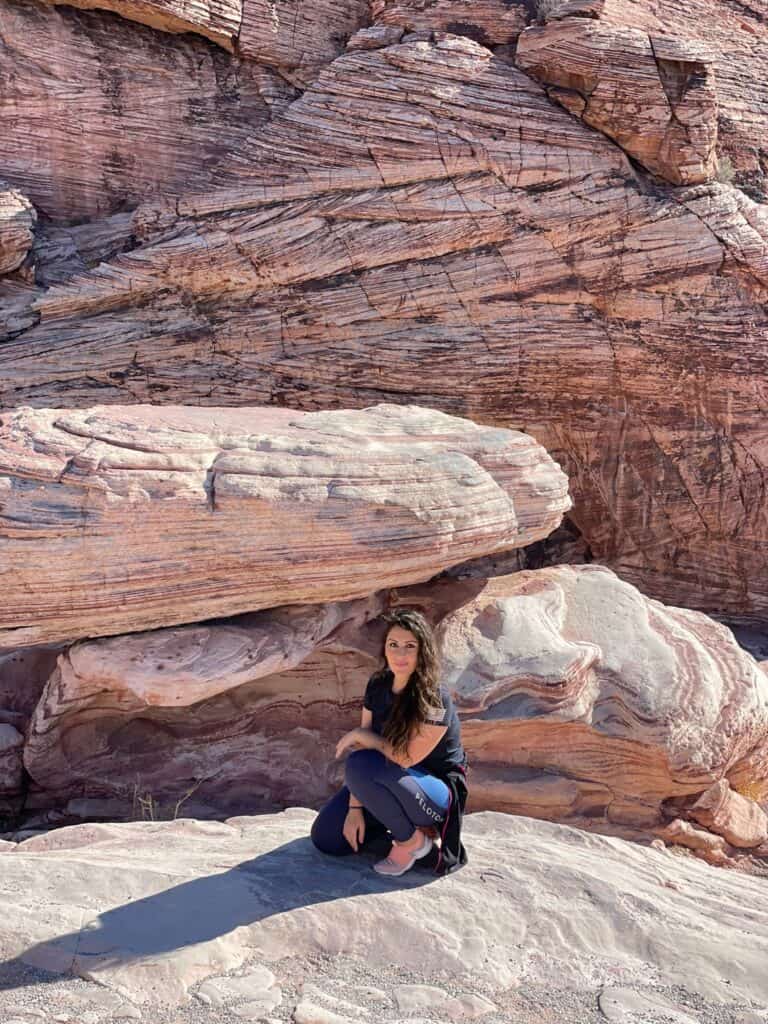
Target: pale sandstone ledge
121,519
218,20
17,222
147,912
581,701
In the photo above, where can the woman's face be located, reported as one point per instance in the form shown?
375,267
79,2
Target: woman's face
401,649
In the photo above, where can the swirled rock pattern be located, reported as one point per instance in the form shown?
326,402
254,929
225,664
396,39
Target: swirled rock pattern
116,520
622,702
581,701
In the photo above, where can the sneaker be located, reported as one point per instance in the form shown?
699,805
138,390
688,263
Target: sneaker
402,858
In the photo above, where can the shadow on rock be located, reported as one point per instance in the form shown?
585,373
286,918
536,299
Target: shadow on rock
202,910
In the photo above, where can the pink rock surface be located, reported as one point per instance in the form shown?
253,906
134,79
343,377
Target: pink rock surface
142,518
11,767
490,22
739,820
218,20
99,112
573,672
427,205
655,96
710,847
581,701
299,36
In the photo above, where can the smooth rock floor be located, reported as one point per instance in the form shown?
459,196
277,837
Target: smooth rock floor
185,922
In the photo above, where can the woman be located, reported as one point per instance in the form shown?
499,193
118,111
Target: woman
406,763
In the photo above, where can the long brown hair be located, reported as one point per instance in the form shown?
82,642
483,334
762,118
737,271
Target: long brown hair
422,691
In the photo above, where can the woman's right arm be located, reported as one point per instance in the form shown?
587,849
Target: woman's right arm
366,718
354,825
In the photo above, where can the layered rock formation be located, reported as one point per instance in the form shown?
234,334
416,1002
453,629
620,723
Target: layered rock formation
654,96
218,20
115,520
99,112
583,698
581,701
423,224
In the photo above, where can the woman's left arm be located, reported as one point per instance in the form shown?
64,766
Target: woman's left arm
422,742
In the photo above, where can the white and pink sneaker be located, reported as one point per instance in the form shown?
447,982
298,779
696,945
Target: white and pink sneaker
403,856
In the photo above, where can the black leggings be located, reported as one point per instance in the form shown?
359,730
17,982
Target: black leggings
393,797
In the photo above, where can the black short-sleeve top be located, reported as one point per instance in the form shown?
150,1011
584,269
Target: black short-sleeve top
448,753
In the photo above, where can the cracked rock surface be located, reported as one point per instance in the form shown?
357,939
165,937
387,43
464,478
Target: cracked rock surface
416,219
156,517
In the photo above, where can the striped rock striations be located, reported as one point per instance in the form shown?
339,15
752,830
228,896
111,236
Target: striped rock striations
581,700
654,96
99,112
121,519
583,697
218,20
424,225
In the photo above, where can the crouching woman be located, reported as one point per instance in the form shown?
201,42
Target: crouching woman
405,769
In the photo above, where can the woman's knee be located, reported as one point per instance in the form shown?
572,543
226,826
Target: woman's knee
328,839
363,765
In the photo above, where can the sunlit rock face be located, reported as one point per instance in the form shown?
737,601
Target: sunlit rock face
654,96
621,702
17,222
411,218
143,517
581,701
100,112
146,911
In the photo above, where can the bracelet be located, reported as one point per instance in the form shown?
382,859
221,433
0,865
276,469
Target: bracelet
355,807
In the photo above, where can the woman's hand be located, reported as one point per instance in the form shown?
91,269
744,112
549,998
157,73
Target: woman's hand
355,739
354,828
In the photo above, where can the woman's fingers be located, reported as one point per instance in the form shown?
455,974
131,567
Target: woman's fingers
350,834
346,741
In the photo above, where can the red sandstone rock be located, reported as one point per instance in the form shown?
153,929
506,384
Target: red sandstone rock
143,517
299,36
98,112
739,820
682,833
735,36
425,205
654,95
218,20
11,768
573,672
490,22
581,701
